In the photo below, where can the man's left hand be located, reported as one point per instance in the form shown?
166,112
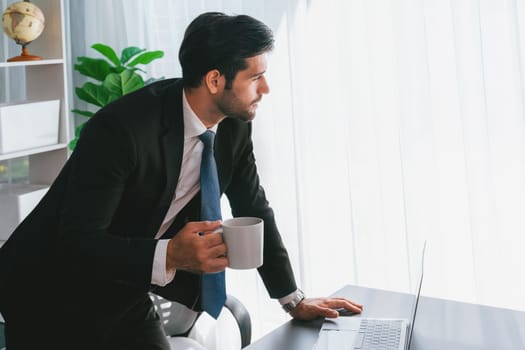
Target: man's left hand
311,308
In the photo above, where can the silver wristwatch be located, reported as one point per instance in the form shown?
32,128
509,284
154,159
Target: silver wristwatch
295,301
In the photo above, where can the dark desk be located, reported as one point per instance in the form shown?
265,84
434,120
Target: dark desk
440,324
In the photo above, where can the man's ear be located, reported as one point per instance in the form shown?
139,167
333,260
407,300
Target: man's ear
214,81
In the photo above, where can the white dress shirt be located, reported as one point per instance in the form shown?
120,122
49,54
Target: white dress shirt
187,187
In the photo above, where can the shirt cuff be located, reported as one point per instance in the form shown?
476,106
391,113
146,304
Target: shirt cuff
288,298
160,276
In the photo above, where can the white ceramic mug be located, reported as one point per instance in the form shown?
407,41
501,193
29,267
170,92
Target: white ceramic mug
244,239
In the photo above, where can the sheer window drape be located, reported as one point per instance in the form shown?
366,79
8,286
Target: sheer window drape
388,122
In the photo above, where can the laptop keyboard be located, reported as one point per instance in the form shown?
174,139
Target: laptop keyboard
378,335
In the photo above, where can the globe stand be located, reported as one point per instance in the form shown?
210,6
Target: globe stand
25,56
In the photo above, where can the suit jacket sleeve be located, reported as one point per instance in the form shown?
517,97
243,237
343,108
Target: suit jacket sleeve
247,198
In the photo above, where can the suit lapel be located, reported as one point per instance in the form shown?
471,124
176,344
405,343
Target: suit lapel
173,139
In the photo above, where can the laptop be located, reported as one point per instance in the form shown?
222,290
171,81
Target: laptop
349,333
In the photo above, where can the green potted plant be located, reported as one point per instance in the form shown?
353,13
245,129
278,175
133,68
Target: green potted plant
113,77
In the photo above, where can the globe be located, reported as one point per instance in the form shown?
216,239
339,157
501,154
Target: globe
23,22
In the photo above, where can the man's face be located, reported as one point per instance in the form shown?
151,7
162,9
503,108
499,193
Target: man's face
246,91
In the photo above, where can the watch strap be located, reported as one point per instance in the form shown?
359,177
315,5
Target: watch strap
289,306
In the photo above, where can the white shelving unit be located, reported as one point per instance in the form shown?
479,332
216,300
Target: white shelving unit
45,79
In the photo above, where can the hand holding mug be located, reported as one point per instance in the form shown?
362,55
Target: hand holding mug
193,251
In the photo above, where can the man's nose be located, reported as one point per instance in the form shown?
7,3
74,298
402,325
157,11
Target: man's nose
264,87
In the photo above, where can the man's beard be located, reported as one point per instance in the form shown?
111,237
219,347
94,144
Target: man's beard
232,107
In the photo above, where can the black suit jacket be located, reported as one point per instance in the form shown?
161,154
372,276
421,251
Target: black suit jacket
92,235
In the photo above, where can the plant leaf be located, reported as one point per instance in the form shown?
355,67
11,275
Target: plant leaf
108,52
73,143
129,52
117,70
78,129
83,113
123,83
137,69
146,57
95,68
95,94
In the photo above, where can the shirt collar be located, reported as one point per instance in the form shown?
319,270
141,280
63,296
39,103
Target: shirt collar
193,126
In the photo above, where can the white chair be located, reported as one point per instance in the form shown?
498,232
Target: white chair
232,330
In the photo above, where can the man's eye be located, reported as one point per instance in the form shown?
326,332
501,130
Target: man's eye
257,78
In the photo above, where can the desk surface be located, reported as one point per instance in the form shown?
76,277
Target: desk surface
440,324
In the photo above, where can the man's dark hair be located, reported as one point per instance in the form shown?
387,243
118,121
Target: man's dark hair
215,40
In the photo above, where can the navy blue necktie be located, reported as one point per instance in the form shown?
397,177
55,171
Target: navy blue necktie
213,284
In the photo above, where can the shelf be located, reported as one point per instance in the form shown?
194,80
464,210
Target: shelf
31,151
41,80
31,63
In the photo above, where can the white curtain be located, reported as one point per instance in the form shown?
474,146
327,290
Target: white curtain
388,123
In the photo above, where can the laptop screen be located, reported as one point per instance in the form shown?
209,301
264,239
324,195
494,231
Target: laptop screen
417,293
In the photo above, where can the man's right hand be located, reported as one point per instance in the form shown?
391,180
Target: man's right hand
188,250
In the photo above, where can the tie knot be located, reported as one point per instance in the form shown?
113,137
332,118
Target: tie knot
207,138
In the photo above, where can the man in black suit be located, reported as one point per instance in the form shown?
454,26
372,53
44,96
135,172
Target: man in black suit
122,217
